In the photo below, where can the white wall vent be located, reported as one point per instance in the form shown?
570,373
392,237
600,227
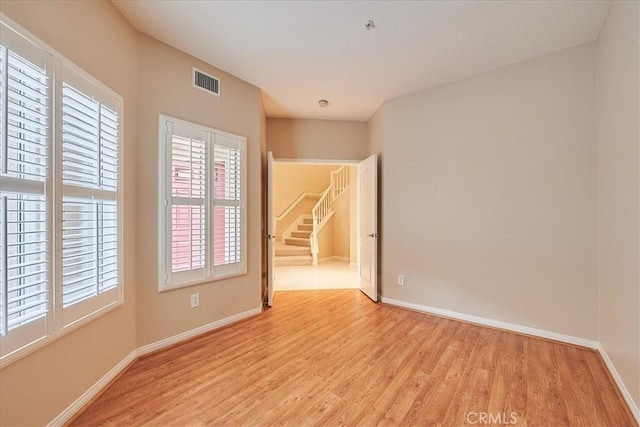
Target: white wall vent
206,82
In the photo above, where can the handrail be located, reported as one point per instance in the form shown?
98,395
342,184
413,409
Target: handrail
296,203
323,210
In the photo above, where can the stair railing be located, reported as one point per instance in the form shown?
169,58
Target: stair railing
323,210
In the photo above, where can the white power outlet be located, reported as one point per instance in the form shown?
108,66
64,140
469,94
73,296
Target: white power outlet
195,300
400,279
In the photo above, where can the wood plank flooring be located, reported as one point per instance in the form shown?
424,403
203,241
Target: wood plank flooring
335,358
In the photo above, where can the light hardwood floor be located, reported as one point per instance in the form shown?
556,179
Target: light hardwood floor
335,358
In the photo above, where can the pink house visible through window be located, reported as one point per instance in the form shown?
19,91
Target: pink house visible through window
188,213
188,210
219,217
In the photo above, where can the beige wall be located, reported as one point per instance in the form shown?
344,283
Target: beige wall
490,195
165,87
317,139
291,180
619,192
353,214
38,387
342,224
325,239
375,132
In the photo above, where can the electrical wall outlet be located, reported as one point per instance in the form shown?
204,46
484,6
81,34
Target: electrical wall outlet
400,279
195,300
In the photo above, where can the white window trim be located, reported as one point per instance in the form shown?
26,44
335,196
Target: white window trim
164,221
55,329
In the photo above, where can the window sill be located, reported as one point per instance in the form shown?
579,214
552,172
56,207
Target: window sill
18,354
165,288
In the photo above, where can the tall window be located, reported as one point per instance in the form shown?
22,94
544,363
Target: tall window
59,194
202,204
88,245
25,175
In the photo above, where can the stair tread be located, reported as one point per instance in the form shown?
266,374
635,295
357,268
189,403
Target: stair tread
301,234
297,241
291,250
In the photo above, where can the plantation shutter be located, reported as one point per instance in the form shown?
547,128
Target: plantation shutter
188,204
89,246
186,207
25,174
228,206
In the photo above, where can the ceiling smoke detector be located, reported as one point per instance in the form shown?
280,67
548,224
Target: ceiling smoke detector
323,103
369,24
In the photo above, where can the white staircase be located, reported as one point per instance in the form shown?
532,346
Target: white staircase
300,240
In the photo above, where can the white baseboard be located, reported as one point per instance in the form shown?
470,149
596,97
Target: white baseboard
494,323
149,348
623,389
66,415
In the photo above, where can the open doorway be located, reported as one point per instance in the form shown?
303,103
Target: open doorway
310,213
315,207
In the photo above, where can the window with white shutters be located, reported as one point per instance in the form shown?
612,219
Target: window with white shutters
60,133
89,244
202,204
25,174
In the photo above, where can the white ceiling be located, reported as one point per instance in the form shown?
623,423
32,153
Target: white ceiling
298,52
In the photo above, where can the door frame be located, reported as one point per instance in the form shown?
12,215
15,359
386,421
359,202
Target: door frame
270,265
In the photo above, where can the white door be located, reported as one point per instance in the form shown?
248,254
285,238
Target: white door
368,226
271,231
